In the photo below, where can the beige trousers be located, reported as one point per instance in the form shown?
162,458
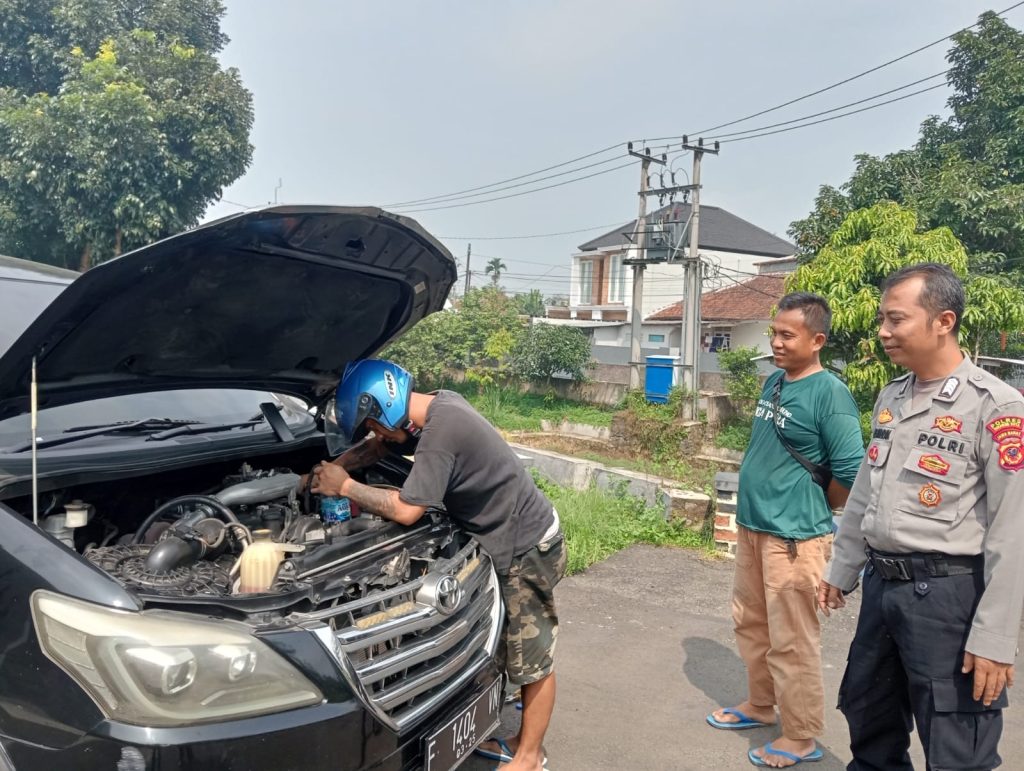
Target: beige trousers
774,607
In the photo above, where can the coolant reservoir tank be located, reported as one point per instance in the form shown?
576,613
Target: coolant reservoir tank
259,562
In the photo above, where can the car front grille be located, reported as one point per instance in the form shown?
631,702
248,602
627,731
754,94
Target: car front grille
407,649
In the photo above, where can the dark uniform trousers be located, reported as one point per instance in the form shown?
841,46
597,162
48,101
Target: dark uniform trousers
905,665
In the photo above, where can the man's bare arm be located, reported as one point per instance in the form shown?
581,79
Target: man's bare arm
383,502
364,454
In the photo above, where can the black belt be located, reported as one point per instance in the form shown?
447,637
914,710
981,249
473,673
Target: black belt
903,567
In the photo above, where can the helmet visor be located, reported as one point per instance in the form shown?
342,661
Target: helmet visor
337,441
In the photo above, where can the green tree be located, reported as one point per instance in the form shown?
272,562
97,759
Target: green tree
469,338
531,303
494,267
869,245
117,124
739,371
966,172
545,350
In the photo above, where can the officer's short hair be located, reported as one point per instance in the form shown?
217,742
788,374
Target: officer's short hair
817,314
940,291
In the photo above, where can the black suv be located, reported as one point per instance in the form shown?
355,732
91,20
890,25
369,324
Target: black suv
176,392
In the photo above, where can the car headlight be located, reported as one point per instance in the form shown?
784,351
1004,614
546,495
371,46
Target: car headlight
160,668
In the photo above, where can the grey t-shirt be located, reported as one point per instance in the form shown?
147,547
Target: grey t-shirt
463,464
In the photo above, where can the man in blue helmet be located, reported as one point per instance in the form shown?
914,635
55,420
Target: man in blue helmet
463,465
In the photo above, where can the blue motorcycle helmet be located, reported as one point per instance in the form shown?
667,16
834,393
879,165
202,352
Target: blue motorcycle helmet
370,388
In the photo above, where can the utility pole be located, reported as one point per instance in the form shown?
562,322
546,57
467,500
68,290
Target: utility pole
692,284
469,273
639,265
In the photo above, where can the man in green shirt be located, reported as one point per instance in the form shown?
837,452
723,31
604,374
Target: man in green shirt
805,421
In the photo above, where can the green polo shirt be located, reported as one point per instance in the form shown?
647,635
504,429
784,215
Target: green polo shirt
819,418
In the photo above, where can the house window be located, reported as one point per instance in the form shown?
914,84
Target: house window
586,282
655,338
719,340
616,279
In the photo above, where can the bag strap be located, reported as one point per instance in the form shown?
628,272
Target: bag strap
813,468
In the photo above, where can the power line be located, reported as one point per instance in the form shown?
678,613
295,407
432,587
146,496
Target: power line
449,199
513,179
835,117
840,107
516,195
535,235
841,82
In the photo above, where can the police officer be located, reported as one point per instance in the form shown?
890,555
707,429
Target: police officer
935,512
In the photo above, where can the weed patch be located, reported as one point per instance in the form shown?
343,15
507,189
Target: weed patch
597,524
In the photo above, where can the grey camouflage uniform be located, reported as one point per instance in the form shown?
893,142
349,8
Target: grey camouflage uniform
946,477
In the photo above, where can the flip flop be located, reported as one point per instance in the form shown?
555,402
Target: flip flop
504,755
811,757
738,725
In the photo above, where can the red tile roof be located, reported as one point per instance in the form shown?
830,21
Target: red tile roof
751,300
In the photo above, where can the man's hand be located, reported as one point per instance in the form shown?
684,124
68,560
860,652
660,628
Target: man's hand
328,479
830,598
990,677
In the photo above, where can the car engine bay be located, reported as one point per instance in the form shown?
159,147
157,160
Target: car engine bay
253,539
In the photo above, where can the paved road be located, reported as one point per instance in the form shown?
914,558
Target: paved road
647,650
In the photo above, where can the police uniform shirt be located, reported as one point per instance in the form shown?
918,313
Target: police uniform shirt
945,475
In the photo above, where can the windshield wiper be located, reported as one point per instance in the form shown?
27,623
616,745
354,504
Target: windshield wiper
84,432
201,428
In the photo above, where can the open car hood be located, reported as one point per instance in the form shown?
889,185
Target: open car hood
277,299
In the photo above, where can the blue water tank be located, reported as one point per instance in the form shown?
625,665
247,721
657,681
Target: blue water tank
659,378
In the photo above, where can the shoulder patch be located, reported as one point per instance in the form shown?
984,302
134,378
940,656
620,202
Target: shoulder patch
1007,431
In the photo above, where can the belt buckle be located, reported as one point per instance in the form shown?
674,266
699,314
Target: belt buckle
895,568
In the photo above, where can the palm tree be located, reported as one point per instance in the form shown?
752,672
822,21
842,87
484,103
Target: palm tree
495,266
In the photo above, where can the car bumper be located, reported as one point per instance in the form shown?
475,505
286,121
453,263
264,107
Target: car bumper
334,737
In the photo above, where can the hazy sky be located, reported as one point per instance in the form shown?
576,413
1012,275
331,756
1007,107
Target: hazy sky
388,101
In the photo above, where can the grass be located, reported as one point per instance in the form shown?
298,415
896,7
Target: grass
510,410
598,524
694,475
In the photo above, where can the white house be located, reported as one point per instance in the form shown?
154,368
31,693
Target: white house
601,283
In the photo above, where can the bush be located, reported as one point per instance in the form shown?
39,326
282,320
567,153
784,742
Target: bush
544,350
597,524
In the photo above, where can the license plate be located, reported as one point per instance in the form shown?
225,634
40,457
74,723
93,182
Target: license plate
452,743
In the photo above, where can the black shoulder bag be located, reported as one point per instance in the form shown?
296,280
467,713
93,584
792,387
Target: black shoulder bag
820,473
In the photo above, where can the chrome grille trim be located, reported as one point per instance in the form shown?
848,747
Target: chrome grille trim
404,658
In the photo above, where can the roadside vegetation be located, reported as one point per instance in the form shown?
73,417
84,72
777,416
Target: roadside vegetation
597,524
510,410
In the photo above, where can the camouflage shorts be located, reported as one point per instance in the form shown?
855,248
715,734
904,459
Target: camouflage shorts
531,621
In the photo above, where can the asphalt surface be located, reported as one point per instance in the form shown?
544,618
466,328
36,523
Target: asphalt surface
646,651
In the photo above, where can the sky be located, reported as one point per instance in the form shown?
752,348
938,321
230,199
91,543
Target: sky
384,102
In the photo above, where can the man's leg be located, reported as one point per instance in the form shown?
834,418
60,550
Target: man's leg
957,732
873,695
792,574
531,634
750,620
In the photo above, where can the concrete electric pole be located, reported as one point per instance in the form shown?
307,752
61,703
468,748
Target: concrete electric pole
692,284
469,273
636,319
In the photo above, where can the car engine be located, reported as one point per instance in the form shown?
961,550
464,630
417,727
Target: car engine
258,534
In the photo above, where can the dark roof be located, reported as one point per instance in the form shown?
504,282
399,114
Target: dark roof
750,300
719,231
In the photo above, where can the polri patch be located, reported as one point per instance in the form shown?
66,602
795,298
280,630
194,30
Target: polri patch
947,424
934,463
1006,431
873,452
930,495
885,416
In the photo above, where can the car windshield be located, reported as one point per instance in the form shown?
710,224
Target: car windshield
208,406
